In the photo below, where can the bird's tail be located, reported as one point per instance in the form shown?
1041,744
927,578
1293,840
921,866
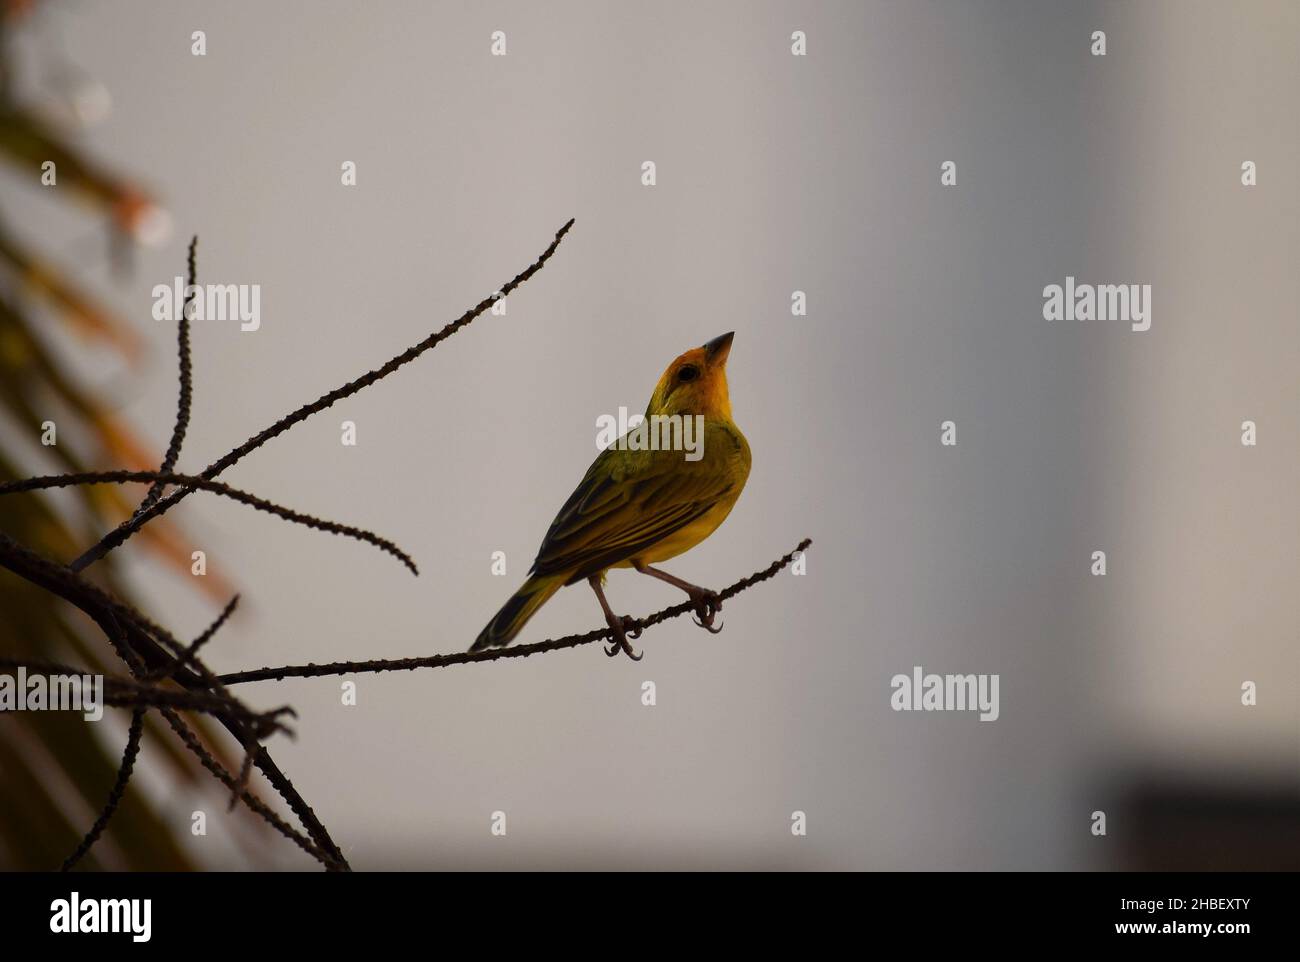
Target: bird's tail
514,614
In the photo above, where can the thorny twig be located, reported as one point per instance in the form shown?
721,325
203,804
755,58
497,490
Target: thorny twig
496,654
115,796
180,662
151,652
133,524
186,391
144,646
215,487
255,804
128,693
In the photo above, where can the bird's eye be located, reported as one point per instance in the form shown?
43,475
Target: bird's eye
688,372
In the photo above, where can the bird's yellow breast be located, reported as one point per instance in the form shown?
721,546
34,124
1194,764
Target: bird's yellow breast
725,449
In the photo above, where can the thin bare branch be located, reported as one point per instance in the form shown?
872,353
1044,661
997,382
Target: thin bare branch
128,693
213,628
280,782
151,652
144,645
495,654
193,650
186,387
115,795
255,804
214,487
133,524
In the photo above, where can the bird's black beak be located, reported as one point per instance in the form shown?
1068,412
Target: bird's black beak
716,350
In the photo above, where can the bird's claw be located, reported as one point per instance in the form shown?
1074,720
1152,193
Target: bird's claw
707,605
622,629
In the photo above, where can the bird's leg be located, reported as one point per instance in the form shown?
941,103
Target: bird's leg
619,626
707,603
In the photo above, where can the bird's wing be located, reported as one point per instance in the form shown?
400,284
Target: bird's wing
625,504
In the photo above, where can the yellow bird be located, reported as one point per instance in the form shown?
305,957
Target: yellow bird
638,507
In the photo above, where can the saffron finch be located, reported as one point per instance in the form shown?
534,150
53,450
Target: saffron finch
638,507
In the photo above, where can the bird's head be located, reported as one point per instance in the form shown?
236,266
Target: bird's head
696,383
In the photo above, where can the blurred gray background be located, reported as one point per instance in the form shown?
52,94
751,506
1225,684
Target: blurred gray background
775,173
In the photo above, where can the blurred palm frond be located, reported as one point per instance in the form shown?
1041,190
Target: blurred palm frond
54,773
